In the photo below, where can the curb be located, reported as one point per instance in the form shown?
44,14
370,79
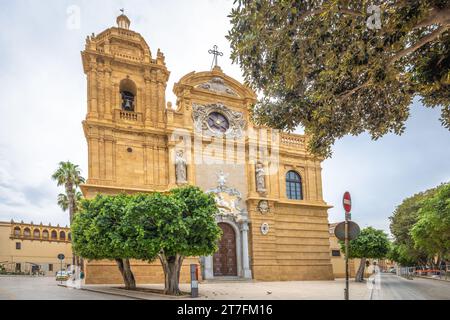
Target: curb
123,294
421,277
113,294
102,292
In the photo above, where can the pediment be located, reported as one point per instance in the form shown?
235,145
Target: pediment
217,85
214,82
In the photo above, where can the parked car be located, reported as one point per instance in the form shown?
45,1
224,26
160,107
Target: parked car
392,270
62,275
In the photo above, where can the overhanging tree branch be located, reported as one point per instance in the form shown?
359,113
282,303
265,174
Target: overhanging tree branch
428,38
402,53
310,13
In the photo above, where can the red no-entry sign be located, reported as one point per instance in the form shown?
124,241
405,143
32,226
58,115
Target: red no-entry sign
347,202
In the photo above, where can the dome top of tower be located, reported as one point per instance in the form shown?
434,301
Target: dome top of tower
123,21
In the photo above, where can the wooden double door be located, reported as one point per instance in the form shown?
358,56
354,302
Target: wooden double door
224,260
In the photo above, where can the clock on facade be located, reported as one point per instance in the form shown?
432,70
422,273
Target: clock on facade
218,122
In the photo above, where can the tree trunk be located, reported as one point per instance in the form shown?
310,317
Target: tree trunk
360,274
71,199
127,274
172,268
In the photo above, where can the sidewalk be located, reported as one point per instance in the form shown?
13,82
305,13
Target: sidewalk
289,290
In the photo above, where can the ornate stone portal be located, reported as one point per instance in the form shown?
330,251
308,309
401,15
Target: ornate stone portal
228,201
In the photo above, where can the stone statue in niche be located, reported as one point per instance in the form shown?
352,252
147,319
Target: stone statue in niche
222,178
260,178
180,168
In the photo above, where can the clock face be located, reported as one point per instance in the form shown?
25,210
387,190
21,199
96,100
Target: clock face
218,122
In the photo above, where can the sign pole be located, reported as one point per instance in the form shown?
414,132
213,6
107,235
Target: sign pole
346,295
347,203
61,257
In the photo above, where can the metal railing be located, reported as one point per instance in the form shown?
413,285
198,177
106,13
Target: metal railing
441,272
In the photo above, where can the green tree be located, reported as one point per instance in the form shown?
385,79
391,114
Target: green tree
431,232
179,224
107,228
370,244
146,227
327,66
401,254
402,220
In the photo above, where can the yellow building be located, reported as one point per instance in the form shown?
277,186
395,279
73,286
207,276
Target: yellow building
338,257
33,249
267,186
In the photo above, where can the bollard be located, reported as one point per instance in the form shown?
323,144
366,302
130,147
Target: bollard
194,280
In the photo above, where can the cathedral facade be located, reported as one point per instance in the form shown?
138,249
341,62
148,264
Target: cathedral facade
267,186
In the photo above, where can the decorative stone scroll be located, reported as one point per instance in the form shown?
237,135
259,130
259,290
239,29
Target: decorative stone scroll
217,85
236,120
263,206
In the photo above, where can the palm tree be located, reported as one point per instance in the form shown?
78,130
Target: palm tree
69,176
63,201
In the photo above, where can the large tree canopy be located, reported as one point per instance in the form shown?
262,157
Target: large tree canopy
431,232
403,219
328,66
179,224
167,226
107,228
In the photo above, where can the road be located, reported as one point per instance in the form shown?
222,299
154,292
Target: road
393,287
44,288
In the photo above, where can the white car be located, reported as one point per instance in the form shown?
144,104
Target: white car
62,275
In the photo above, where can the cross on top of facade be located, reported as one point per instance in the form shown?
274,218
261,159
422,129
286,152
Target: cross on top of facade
214,51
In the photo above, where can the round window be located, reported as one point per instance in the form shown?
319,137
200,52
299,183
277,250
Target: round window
218,122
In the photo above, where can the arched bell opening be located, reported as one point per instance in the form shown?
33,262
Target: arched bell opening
128,91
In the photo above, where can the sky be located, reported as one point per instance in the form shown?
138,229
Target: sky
43,103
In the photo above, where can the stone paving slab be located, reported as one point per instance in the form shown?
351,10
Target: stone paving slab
289,290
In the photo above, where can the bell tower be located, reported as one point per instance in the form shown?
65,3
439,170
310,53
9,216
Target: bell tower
125,123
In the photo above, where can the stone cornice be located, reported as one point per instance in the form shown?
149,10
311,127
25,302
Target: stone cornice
304,203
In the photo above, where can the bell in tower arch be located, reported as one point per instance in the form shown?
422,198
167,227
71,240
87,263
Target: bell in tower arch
128,92
127,101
